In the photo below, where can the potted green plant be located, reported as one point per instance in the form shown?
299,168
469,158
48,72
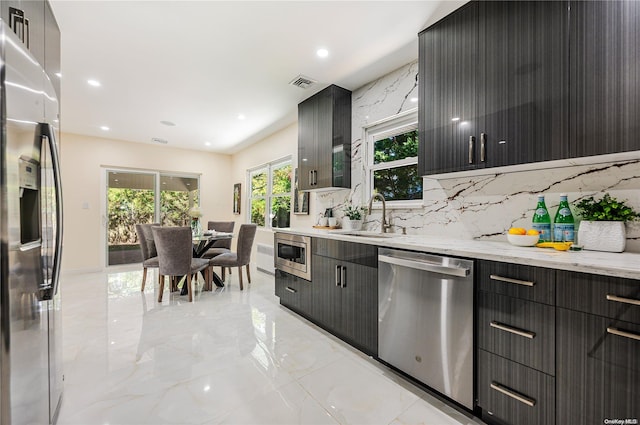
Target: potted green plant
603,223
352,219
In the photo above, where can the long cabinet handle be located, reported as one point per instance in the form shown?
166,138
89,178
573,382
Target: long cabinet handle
344,276
310,177
472,141
623,299
483,146
288,289
513,394
510,280
626,334
338,275
511,329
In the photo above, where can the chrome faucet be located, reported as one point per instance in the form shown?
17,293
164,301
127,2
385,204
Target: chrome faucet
384,226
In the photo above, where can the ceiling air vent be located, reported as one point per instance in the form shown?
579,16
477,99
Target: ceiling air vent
159,140
302,82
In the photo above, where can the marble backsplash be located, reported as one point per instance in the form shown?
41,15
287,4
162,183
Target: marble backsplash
480,206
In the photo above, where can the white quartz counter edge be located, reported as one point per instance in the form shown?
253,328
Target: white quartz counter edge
610,264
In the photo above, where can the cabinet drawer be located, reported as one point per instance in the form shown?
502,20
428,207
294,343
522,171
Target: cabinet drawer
515,280
520,330
358,253
606,296
292,290
513,393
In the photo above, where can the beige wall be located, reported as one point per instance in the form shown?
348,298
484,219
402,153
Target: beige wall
280,144
83,160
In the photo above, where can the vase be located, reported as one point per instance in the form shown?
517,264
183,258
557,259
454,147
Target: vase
350,224
196,227
608,236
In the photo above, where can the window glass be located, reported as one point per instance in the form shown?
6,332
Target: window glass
393,161
258,184
270,189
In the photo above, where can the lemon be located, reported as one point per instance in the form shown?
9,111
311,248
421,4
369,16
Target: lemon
517,231
532,232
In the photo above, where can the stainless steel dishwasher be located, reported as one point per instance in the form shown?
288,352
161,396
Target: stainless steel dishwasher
425,319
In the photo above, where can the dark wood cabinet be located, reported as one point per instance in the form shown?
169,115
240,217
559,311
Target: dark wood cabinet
324,140
598,371
516,343
294,292
448,74
523,82
350,297
510,393
493,86
605,77
520,330
343,294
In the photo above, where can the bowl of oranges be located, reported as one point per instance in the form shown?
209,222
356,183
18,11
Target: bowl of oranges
520,236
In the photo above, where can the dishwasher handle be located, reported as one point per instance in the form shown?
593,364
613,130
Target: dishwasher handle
426,266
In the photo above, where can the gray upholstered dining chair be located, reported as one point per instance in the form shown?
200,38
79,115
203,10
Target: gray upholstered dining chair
148,249
241,257
221,246
175,256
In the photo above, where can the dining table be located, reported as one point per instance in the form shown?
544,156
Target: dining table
201,244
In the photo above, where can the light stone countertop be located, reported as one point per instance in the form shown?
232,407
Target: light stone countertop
624,264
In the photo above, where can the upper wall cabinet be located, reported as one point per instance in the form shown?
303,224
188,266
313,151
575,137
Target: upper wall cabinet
324,140
605,77
52,64
493,86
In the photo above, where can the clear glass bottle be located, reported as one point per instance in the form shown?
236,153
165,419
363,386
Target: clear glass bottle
542,221
563,222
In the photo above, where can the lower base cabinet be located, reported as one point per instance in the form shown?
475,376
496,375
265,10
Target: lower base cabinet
342,296
598,371
511,393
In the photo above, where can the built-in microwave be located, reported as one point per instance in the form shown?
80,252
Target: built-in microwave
293,254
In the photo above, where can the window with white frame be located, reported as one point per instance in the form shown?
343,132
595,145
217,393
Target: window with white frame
392,159
270,194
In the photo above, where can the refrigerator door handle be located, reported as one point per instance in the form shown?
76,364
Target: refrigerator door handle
49,143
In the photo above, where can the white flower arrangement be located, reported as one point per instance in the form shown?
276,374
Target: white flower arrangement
195,212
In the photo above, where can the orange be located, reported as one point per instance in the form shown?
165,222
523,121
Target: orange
517,231
532,232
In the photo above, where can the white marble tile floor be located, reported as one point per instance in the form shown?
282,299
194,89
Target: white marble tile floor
230,357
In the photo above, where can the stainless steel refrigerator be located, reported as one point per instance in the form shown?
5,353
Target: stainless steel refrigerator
31,228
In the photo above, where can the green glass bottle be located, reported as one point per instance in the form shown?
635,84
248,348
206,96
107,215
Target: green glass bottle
542,221
563,223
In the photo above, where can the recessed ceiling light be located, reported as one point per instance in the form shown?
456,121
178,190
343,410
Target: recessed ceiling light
455,119
414,99
104,128
207,143
94,83
168,123
241,116
323,53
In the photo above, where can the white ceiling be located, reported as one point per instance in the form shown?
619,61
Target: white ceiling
200,64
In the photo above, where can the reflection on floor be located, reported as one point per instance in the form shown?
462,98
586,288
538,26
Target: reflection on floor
230,357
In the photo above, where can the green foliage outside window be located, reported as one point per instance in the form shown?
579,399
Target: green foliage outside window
401,182
128,207
280,197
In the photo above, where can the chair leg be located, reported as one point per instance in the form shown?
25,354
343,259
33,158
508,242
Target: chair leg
144,278
161,290
189,288
229,268
208,278
240,276
248,274
222,271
